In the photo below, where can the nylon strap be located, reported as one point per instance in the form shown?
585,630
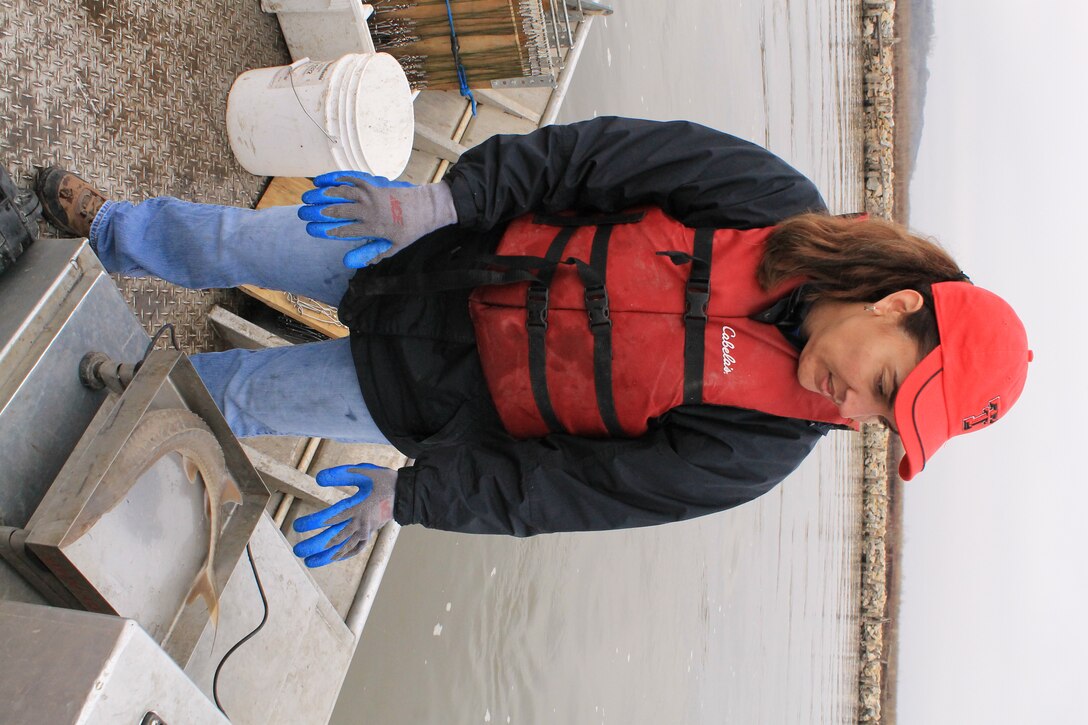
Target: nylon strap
697,300
588,220
600,325
536,322
428,282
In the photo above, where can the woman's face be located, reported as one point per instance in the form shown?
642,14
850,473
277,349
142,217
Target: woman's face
857,355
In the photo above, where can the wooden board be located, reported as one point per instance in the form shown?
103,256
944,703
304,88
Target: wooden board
284,191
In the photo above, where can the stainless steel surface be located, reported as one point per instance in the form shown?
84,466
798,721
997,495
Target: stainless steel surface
143,555
61,666
114,557
291,671
31,572
15,588
58,304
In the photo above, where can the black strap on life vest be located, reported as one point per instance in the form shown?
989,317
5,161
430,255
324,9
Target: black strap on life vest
600,325
697,299
506,270
536,321
589,220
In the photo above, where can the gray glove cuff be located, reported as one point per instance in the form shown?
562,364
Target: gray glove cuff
441,202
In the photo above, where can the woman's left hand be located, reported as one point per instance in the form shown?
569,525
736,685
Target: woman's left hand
350,523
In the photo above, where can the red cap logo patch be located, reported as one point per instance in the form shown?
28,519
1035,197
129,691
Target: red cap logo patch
988,415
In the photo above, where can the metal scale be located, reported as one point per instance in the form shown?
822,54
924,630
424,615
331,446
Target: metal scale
107,490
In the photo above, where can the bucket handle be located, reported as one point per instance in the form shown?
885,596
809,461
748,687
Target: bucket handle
291,77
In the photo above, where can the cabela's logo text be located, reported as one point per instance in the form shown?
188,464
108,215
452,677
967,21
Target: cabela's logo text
728,361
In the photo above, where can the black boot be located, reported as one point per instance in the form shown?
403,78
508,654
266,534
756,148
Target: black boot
19,214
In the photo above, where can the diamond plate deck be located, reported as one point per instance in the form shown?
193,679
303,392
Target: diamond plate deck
132,96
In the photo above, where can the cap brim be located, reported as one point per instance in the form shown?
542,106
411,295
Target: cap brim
921,414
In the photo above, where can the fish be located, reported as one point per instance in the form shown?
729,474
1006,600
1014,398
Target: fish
160,433
218,490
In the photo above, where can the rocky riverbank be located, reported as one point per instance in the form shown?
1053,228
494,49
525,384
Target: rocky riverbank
876,658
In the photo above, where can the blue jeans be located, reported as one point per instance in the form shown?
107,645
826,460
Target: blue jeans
310,389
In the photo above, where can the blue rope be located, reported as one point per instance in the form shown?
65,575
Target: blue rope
455,46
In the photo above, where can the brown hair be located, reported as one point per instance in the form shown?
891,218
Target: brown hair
859,260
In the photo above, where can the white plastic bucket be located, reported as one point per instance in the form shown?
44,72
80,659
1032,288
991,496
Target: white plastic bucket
335,108
316,116
379,133
351,108
338,110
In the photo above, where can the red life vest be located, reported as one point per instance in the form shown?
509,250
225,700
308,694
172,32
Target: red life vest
630,317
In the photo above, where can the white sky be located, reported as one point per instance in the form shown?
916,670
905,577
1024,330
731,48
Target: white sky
996,565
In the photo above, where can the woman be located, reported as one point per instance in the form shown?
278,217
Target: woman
532,387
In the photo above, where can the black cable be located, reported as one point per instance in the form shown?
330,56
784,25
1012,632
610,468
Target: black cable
155,338
264,619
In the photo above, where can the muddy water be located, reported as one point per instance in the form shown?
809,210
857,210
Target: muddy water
744,617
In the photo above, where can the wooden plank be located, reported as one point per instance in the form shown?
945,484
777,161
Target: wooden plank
281,477
439,110
241,333
326,324
284,191
490,121
505,102
458,134
421,168
431,141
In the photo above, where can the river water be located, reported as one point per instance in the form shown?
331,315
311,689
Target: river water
749,616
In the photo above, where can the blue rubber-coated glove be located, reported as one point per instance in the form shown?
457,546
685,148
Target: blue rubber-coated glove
347,524
386,215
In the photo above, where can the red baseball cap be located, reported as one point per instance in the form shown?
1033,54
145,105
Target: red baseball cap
969,381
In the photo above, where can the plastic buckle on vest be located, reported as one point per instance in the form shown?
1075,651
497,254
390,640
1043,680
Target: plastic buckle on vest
597,307
697,299
536,307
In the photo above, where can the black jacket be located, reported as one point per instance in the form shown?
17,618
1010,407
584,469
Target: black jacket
420,372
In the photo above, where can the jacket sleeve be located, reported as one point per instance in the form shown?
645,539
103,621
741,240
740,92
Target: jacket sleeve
700,176
697,460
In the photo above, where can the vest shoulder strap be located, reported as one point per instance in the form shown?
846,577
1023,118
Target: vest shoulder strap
536,305
697,300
